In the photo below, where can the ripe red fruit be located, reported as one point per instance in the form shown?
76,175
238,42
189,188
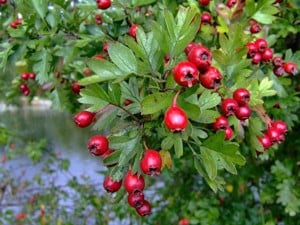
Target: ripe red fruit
14,24
144,209
228,133
99,56
201,57
261,44
279,71
105,47
106,154
229,106
175,118
84,118
98,19
206,18
103,4
231,3
243,112
31,76
220,123
277,61
135,199
256,58
252,49
211,79
133,182
132,30
111,185
151,162
204,2
3,2
290,68
26,92
273,134
186,74
267,55
189,47
87,71
25,76
23,87
242,96
98,145
184,221
265,141
280,125
76,87
255,28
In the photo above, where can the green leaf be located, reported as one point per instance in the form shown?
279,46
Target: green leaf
42,65
208,116
142,2
112,158
40,7
122,57
167,142
209,99
94,96
178,146
262,11
209,163
158,101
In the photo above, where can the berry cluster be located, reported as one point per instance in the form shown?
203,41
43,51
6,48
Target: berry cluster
259,51
98,19
103,4
14,24
281,67
25,76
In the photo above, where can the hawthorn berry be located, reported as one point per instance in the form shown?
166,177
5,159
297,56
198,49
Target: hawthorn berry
184,221
103,4
290,68
252,49
255,28
144,209
204,2
256,59
228,133
201,57
261,44
274,134
229,106
98,145
205,18
243,112
280,125
267,55
220,123
25,76
135,199
277,61
151,162
76,87
279,71
84,118
3,2
189,47
133,182
265,141
111,185
186,74
31,76
132,30
14,24
242,96
231,3
211,79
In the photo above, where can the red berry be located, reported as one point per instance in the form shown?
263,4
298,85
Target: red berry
23,87
265,141
280,125
186,74
243,112
220,123
103,4
14,24
87,71
135,199
127,102
261,44
132,30
175,118
133,182
201,57
151,162
252,49
106,154
111,185
229,106
228,133
256,58
255,28
76,87
273,134
267,55
25,76
31,76
105,47
84,118
242,96
290,68
206,18
211,79
166,59
279,71
204,2
277,61
231,3
99,56
98,17
189,47
98,145
144,209
3,2
184,221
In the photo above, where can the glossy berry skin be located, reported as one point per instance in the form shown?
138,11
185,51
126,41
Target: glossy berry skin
277,61
76,87
211,79
231,3
265,141
23,87
206,18
175,119
106,154
279,71
31,76
99,57
144,209
133,183
204,2
242,96
186,74
25,76
98,145
252,49
257,58
255,28
3,2
151,162
184,221
261,44
228,133
111,185
273,134
290,68
201,57
229,106
243,112
132,30
84,118
14,24
267,55
135,199
280,125
189,47
103,4
220,123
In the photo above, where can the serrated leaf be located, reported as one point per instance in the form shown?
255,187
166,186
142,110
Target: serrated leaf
42,65
167,142
156,102
208,116
209,163
166,158
208,100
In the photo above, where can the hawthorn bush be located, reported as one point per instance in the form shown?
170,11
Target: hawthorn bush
211,86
